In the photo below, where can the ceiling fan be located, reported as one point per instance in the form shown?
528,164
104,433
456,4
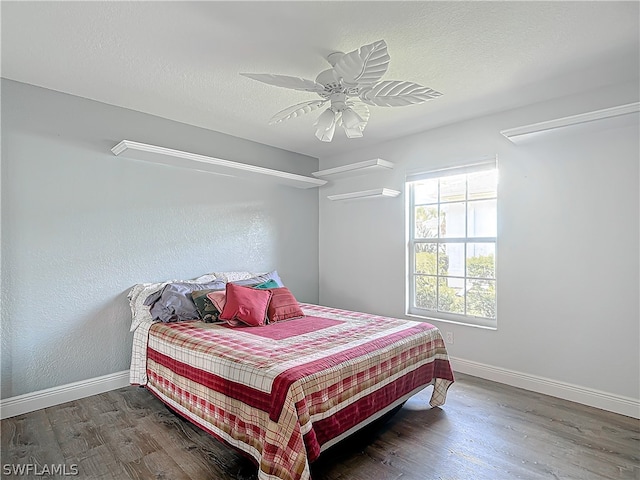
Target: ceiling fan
348,87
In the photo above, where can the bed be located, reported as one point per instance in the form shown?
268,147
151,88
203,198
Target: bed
283,393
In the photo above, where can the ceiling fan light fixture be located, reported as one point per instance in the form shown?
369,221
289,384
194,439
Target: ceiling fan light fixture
353,132
326,125
351,120
352,83
326,135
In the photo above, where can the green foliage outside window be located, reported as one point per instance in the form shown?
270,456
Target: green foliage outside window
480,294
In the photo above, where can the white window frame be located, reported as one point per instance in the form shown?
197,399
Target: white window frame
411,309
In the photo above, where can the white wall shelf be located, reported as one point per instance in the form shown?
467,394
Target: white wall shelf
177,158
358,168
622,115
375,193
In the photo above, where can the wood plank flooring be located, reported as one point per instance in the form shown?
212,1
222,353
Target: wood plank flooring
486,431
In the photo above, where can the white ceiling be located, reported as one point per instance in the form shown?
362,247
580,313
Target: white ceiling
181,60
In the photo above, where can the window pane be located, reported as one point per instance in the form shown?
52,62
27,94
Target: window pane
426,222
451,259
452,217
481,298
426,191
425,291
425,258
481,260
451,295
482,185
482,219
453,188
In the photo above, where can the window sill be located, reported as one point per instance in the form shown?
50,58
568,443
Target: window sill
445,320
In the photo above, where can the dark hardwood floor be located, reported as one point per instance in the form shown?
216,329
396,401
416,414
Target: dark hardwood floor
485,431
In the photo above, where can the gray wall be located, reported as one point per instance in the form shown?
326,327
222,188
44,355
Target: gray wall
81,226
568,223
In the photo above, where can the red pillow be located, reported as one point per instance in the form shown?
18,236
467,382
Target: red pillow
283,305
245,304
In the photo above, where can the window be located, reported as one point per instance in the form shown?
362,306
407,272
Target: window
452,230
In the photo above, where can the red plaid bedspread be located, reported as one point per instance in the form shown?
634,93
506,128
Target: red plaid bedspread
284,392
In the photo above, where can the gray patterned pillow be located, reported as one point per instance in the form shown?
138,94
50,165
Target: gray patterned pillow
174,303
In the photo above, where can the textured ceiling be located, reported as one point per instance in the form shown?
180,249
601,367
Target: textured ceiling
181,60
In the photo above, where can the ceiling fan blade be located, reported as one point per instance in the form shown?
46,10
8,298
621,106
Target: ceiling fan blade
364,66
295,83
296,111
396,93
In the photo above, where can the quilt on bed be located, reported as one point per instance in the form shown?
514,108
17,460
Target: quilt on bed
284,392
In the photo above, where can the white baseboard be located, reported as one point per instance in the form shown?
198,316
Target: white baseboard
628,406
29,402
587,396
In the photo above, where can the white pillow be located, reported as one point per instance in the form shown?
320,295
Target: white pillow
234,276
